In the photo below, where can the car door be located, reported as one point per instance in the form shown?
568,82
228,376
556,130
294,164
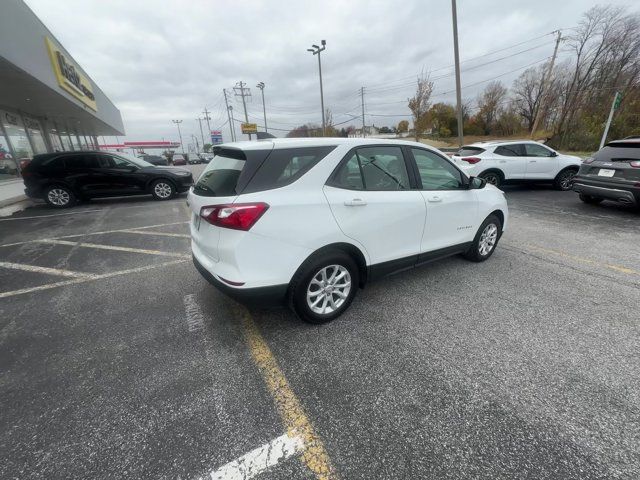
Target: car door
452,208
117,176
542,163
373,203
510,159
79,172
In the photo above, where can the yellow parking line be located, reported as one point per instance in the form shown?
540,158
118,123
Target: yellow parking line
617,268
296,422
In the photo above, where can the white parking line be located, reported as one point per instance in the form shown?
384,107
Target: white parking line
49,271
115,248
93,233
162,234
259,460
86,279
195,318
46,216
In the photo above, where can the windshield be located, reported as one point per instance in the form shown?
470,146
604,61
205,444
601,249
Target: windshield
135,160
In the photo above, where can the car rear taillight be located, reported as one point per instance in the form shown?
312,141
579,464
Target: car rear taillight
588,160
471,160
635,164
237,216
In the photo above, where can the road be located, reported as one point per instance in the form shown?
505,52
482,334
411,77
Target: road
120,361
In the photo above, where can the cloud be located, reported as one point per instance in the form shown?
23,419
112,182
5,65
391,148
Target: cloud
162,60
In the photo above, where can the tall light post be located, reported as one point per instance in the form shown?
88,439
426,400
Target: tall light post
264,109
454,17
232,123
178,122
316,51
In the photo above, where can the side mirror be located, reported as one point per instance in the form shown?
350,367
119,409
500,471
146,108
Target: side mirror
476,183
554,154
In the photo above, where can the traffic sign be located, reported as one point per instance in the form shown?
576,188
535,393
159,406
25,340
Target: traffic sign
249,127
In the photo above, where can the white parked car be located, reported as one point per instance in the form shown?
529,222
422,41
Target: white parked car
517,161
309,221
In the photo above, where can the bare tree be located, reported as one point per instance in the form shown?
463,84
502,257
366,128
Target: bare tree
419,104
489,105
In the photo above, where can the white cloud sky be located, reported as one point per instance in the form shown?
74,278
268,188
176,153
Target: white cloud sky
162,60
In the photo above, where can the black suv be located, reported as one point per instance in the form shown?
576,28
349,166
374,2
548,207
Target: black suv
63,178
613,173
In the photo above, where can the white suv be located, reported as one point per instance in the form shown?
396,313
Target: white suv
517,161
308,221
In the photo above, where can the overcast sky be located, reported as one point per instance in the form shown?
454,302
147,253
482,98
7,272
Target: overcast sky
162,60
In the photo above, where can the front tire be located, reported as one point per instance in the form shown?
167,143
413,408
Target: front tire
60,197
162,190
589,199
486,240
564,180
324,287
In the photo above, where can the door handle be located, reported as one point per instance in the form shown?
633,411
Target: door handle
356,202
532,161
435,199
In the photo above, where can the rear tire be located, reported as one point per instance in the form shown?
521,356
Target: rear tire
486,240
323,287
590,200
492,178
59,196
162,190
564,179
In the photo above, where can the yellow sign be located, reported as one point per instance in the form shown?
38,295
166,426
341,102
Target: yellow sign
69,76
249,127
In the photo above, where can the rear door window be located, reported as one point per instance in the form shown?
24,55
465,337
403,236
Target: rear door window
373,168
515,150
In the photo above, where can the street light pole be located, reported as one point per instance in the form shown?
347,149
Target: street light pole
454,16
178,122
316,51
207,118
264,109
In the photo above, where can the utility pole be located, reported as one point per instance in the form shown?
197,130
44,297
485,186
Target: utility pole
207,118
229,116
178,122
202,134
233,124
456,54
264,109
544,94
195,139
244,92
362,98
617,99
316,51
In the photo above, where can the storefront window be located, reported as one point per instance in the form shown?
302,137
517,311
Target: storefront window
8,168
55,140
66,141
35,132
75,142
16,135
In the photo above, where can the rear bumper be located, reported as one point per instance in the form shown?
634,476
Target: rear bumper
271,296
626,195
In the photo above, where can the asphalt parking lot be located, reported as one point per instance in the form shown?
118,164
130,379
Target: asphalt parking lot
119,361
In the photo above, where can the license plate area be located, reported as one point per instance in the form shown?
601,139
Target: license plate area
606,172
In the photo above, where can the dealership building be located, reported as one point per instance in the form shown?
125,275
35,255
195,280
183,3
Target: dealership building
47,101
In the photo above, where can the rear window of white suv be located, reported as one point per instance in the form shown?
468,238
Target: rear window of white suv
234,171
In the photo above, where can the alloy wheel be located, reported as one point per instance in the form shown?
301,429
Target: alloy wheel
492,179
328,289
565,180
163,190
488,239
59,197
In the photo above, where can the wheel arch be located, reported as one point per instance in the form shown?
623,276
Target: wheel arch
351,250
500,214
